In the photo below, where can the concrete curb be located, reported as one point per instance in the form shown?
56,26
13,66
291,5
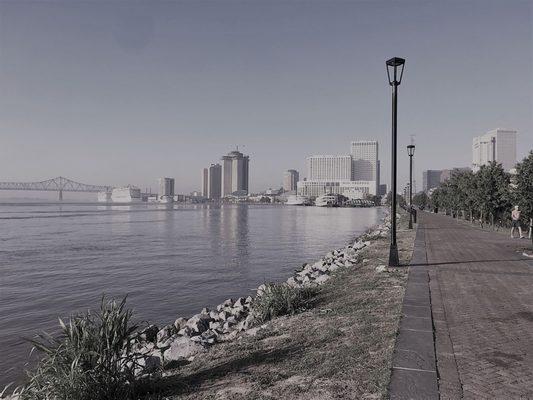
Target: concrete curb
414,371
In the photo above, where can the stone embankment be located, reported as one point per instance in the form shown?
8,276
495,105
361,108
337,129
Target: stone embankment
182,341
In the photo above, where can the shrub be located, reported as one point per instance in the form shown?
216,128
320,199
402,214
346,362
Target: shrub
91,359
281,299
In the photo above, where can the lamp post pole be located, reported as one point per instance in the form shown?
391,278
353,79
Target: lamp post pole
394,63
411,152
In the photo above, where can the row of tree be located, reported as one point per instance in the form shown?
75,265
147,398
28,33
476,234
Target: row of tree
487,195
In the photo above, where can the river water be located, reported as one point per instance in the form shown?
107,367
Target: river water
170,260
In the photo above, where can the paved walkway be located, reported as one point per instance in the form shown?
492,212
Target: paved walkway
481,292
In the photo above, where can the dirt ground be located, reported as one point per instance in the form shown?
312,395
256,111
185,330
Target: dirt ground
340,349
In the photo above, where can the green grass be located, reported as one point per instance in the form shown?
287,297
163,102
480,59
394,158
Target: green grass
280,299
91,359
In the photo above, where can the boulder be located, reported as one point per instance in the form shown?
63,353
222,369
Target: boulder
165,333
199,323
322,279
180,323
181,349
164,344
205,311
149,334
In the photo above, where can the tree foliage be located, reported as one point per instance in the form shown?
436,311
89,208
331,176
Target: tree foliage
487,195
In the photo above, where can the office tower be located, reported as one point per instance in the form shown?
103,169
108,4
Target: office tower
329,168
290,179
497,145
235,173
214,182
430,179
365,161
205,182
382,189
166,190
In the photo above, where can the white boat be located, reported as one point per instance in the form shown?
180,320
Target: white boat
327,200
104,197
126,194
296,200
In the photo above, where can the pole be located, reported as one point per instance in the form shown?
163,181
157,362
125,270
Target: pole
410,191
393,253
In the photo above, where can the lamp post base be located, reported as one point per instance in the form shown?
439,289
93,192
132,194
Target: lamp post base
393,256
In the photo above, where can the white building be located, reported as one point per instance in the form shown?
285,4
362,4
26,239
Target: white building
365,161
214,182
290,180
497,145
329,168
348,188
235,172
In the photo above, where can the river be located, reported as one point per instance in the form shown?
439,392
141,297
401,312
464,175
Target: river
170,260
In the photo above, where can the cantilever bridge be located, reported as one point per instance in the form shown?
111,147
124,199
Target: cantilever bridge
59,184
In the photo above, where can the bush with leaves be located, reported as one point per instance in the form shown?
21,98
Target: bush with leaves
92,359
279,299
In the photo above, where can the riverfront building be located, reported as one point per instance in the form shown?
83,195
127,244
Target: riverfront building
497,145
214,182
365,161
355,175
329,168
205,183
235,172
290,180
166,189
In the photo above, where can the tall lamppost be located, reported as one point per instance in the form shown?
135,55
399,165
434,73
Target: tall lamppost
411,153
395,68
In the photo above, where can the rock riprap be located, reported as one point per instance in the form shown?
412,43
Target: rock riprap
185,338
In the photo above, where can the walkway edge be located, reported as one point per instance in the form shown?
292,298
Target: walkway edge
414,370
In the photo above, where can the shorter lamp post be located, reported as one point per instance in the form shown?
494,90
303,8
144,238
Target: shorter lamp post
411,153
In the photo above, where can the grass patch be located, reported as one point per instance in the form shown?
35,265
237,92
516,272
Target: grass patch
281,299
91,359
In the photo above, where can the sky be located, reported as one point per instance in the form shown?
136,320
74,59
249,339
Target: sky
123,92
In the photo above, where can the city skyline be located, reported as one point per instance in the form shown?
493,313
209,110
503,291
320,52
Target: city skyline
142,86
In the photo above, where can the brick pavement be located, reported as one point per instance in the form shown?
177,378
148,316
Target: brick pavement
482,309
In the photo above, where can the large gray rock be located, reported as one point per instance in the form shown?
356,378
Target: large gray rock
165,332
149,334
322,279
181,349
180,323
199,323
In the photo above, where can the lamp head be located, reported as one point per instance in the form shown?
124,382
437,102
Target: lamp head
392,66
411,149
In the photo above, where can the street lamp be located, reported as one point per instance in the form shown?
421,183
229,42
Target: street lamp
395,68
411,153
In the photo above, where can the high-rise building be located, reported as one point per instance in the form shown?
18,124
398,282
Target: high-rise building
365,161
214,182
329,168
497,145
430,179
205,184
290,179
166,189
235,173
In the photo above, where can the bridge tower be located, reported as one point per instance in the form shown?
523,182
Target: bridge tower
60,194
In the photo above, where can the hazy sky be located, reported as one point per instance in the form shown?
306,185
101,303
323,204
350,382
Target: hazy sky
118,92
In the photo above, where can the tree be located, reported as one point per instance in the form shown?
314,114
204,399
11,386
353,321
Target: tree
523,193
421,200
492,192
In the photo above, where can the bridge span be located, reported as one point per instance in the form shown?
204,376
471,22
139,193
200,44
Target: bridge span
59,184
